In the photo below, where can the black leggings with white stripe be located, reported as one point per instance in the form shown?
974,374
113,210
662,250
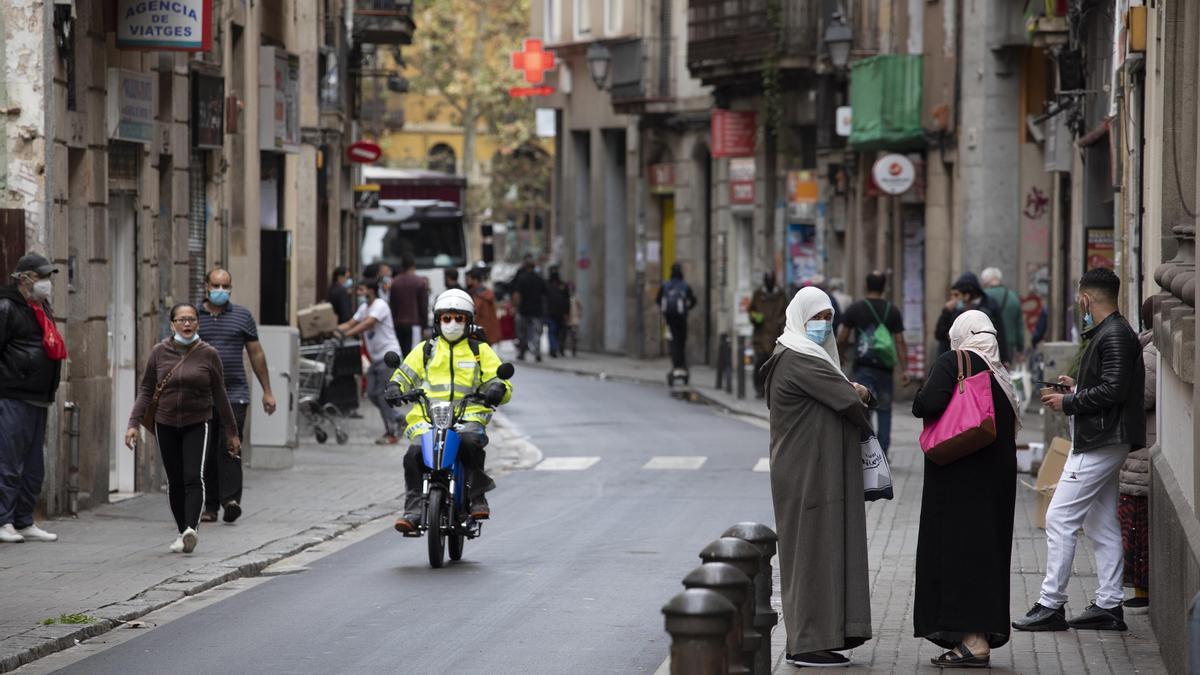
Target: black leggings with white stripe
183,451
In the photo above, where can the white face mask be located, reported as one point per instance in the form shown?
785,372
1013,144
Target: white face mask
43,289
454,330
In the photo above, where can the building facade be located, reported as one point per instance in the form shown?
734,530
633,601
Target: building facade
138,164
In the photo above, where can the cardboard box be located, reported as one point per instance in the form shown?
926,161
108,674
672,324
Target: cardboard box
316,321
1047,478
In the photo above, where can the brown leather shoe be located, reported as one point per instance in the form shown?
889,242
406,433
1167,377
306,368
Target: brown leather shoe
407,524
480,509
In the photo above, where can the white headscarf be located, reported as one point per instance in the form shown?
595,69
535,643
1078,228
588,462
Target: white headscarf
973,331
809,302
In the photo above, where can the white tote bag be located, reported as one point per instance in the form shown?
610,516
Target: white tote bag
877,475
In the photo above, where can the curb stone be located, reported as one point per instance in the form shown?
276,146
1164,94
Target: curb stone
514,452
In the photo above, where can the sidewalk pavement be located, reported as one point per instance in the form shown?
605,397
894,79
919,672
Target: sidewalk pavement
892,540
112,563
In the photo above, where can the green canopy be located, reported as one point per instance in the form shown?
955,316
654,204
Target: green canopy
885,103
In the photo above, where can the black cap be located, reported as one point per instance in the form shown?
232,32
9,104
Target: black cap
33,262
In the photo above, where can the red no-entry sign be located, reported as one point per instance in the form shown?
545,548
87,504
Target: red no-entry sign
364,152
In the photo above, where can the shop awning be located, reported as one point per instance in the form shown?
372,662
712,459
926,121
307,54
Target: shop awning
885,97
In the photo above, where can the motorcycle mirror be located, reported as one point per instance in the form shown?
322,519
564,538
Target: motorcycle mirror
505,371
392,359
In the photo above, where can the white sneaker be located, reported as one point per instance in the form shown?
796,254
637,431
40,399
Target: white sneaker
35,533
189,540
9,534
177,545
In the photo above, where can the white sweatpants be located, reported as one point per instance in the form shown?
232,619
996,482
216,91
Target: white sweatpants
1086,497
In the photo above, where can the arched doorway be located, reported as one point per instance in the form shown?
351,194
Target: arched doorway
441,157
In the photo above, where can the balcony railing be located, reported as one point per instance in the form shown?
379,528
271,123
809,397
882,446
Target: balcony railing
383,22
731,37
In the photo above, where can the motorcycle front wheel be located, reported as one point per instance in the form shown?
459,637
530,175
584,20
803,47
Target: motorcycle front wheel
456,546
437,533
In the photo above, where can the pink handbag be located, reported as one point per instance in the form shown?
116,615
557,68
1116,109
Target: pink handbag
969,421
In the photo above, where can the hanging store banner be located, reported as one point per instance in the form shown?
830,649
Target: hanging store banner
164,25
131,105
734,133
208,111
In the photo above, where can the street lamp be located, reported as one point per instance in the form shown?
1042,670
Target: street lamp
598,58
838,38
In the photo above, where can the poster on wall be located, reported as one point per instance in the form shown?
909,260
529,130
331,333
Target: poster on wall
734,133
914,294
803,258
279,92
131,105
179,25
1099,248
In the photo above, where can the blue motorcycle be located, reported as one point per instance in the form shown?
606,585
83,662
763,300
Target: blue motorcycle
446,512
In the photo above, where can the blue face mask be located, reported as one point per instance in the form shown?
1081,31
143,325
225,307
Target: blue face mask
817,330
960,306
348,283
180,340
218,296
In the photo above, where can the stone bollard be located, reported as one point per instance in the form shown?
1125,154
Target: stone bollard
699,622
766,541
745,557
736,588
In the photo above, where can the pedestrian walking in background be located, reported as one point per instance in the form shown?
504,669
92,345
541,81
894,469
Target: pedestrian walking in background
1109,420
767,312
450,278
31,356
675,298
181,387
529,297
230,329
837,292
1134,506
339,294
571,341
877,330
965,294
485,304
818,419
1008,304
373,321
408,299
558,306
964,544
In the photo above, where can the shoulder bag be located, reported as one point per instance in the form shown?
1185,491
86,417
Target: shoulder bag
148,418
969,422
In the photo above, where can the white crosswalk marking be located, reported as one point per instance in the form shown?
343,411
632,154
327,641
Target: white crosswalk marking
566,463
764,465
675,463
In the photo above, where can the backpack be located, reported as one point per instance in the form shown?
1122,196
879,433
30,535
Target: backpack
674,298
877,345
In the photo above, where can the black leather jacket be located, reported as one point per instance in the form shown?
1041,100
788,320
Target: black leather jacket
26,373
1107,402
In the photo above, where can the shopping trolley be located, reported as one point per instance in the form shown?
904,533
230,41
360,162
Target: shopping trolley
315,374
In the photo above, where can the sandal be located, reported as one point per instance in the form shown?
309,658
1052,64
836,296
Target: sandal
963,659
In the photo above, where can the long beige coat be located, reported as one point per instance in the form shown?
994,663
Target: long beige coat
817,487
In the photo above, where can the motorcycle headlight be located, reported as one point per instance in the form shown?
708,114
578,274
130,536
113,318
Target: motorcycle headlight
441,413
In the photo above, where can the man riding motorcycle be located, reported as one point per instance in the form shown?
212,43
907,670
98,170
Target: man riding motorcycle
448,367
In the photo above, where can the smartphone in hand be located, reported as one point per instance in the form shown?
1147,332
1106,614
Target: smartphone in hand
1055,385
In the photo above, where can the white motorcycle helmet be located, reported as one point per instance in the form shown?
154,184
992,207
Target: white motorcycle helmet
456,301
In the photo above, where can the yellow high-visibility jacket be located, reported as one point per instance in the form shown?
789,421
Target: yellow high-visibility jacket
453,373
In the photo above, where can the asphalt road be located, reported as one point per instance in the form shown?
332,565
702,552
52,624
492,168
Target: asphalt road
569,576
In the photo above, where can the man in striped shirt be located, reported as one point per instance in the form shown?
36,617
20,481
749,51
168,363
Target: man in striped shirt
230,328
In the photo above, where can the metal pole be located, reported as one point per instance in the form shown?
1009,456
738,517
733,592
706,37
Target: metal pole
741,366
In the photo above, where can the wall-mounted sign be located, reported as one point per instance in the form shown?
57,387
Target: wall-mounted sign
366,196
169,25
661,178
803,193
894,174
843,120
533,61
733,133
741,181
208,111
279,100
1100,251
131,104
363,152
